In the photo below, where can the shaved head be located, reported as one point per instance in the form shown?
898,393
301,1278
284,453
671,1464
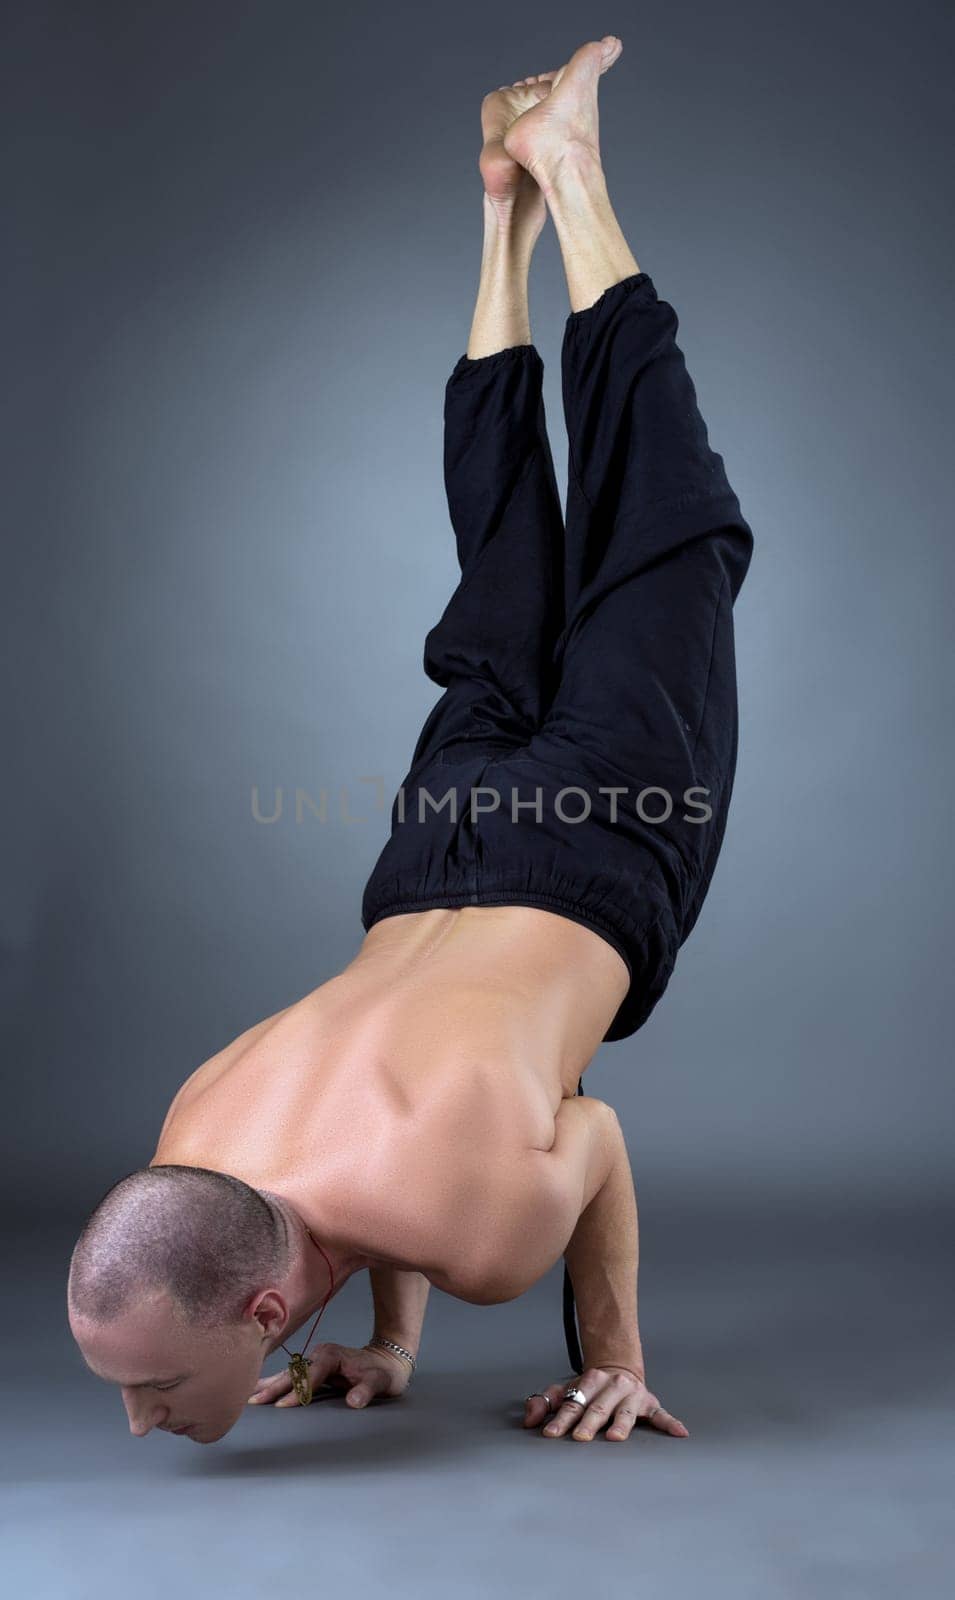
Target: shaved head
205,1239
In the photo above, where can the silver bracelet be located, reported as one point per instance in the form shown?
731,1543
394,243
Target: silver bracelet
378,1338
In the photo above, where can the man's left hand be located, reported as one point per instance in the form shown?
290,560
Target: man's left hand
615,1395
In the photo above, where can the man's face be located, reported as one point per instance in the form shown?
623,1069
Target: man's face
172,1376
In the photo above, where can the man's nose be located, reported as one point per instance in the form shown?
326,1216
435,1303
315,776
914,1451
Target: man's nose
142,1418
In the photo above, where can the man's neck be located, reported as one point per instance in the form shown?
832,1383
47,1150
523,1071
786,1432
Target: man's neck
310,1276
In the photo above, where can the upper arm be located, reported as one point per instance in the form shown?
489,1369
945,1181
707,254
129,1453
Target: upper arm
583,1147
544,1198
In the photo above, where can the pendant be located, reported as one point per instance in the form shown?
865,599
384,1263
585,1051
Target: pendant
298,1372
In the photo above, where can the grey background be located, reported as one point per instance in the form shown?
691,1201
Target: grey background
243,244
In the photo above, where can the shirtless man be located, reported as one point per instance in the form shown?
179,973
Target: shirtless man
421,1114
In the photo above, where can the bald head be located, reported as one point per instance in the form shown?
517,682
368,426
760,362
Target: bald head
204,1239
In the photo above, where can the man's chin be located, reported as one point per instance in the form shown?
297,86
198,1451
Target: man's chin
203,1436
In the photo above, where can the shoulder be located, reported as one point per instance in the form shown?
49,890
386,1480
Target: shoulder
208,1071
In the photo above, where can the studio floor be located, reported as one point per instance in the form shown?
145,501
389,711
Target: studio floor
807,1346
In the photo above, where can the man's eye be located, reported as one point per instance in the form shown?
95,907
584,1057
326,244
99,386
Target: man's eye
164,1388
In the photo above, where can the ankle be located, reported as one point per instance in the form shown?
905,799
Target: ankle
509,230
574,170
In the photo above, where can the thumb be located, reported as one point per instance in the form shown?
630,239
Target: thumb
359,1396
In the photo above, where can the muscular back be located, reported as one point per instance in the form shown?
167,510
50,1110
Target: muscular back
415,1096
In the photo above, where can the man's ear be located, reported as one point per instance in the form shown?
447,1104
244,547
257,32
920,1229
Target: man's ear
270,1311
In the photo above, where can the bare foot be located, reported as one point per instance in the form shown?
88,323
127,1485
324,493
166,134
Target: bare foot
567,116
512,191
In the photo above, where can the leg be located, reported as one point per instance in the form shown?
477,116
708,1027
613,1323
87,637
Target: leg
493,647
656,545
657,550
549,140
501,317
492,650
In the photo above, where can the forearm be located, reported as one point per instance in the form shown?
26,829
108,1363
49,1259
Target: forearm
602,1258
400,1299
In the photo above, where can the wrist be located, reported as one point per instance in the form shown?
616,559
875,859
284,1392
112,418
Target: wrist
406,1353
610,1353
405,1337
400,1297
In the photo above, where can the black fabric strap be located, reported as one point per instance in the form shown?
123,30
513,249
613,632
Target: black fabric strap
571,1336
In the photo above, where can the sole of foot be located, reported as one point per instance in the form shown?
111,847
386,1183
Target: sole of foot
506,182
566,116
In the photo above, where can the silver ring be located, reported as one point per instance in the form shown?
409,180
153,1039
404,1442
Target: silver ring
577,1395
539,1394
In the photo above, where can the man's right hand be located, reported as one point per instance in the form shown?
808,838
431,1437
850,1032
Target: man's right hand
360,1374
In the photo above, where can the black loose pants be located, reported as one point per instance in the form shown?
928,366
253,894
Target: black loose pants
581,758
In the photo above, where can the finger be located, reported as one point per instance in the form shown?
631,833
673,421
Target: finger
664,1422
269,1388
601,1406
268,1383
560,1413
624,1419
361,1394
539,1406
593,1382
535,1407
321,1365
291,1398
569,1413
